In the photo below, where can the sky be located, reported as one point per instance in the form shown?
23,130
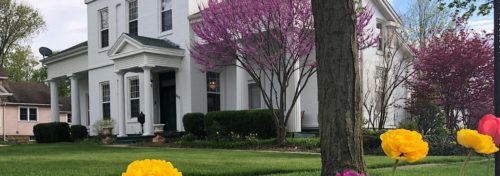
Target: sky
66,23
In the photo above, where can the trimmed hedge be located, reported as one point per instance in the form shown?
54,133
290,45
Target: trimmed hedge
242,123
52,132
372,142
78,132
194,123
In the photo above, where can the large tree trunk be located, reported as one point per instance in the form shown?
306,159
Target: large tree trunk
339,87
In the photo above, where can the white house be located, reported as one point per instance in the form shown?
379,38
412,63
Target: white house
137,60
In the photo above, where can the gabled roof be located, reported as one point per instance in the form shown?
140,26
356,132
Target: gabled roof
127,45
65,104
154,42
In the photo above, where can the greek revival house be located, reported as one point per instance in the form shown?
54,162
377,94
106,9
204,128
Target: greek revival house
137,60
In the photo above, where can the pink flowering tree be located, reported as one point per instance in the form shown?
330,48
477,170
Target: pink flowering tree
455,71
272,40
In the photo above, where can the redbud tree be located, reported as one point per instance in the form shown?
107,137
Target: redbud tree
272,40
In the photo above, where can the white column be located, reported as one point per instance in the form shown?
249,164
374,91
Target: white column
242,98
295,121
75,101
148,102
54,100
122,131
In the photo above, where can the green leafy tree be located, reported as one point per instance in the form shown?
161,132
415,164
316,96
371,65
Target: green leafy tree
18,22
20,64
468,7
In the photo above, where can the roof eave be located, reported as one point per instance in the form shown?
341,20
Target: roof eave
65,55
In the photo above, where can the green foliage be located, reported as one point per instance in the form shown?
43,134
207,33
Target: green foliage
194,123
79,132
190,137
244,123
20,64
470,7
427,116
19,21
408,124
52,132
444,146
372,142
99,125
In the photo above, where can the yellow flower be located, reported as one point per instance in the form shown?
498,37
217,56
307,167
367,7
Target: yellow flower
151,168
403,144
479,142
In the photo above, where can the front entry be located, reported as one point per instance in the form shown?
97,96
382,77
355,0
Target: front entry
168,114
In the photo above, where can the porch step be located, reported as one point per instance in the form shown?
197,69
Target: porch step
133,138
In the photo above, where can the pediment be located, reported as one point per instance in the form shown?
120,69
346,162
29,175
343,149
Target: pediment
123,45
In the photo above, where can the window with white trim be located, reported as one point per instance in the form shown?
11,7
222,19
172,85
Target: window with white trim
254,96
106,100
28,113
135,104
133,18
213,91
104,27
166,15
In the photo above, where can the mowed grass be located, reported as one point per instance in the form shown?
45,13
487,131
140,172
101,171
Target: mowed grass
81,159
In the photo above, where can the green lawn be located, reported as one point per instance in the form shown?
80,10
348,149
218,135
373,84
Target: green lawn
92,159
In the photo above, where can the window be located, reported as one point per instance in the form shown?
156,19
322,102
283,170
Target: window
28,114
166,15
254,96
68,116
213,91
106,101
133,15
104,27
380,38
134,97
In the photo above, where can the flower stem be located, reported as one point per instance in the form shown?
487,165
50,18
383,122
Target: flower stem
462,170
394,168
489,165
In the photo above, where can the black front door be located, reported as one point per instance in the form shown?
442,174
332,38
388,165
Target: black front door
168,101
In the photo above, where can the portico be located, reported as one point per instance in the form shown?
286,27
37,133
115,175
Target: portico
151,58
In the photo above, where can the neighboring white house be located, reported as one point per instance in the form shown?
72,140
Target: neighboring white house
137,60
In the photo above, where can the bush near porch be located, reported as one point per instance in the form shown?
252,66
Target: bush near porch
240,124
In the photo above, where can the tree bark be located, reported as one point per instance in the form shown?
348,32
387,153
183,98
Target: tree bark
339,86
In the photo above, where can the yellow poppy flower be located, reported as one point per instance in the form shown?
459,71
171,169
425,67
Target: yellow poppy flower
401,144
151,168
474,140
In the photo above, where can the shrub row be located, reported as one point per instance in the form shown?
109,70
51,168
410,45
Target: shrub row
233,124
58,132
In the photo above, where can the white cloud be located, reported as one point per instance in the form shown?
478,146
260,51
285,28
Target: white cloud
66,24
482,23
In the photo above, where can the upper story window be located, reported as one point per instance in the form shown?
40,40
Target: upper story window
380,36
106,100
133,14
213,91
104,27
166,15
135,104
28,114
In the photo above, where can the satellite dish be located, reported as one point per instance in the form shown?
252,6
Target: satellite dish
46,52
